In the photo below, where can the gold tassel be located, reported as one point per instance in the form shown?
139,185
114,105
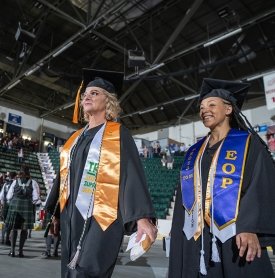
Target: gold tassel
76,106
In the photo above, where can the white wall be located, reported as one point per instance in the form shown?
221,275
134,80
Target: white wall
261,115
151,136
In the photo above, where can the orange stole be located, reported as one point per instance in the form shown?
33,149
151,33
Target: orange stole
64,171
107,182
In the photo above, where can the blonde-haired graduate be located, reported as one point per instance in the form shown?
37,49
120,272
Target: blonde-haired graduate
102,187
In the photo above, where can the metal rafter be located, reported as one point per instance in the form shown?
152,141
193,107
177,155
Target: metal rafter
169,99
186,109
42,20
66,44
62,14
188,15
153,98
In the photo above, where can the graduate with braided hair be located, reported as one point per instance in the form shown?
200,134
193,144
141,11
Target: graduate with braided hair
224,213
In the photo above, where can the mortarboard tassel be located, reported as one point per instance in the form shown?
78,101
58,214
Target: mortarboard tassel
72,264
76,106
215,253
203,270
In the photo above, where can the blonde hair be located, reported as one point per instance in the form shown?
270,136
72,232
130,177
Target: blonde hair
112,109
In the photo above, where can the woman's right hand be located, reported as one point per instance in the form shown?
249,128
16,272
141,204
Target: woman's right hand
248,242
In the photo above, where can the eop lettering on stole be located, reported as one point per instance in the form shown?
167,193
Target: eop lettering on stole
228,168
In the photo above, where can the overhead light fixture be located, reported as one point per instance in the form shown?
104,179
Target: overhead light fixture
66,106
136,58
24,35
223,37
62,49
31,71
14,84
191,97
253,77
152,68
148,110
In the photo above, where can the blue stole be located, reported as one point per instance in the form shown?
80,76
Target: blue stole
187,176
224,184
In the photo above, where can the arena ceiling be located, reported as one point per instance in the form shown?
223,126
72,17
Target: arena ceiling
44,45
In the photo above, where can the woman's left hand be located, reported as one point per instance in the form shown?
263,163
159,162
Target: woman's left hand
144,226
248,242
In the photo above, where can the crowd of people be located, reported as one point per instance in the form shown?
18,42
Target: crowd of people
10,141
154,150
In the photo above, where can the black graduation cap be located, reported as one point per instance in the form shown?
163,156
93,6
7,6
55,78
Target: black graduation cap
234,92
111,81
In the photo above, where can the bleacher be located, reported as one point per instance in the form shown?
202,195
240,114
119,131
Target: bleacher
9,163
162,183
54,157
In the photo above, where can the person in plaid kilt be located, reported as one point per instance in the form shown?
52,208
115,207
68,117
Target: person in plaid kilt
3,199
21,196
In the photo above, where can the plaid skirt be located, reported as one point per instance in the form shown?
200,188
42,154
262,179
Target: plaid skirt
20,214
5,211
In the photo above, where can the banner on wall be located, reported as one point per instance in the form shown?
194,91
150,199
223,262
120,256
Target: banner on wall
14,119
269,86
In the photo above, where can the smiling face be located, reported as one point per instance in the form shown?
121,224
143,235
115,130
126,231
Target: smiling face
215,113
94,101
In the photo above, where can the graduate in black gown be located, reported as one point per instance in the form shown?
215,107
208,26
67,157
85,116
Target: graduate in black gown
240,180
133,211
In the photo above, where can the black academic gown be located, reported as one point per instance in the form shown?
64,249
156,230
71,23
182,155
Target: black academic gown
256,215
100,248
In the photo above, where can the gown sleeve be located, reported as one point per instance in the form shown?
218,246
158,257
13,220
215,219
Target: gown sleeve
257,205
53,198
134,199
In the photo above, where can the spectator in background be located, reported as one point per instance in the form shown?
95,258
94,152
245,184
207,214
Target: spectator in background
271,143
49,147
2,179
10,145
3,199
21,195
52,237
150,151
36,203
182,148
5,145
145,152
170,161
20,156
177,149
158,149
163,160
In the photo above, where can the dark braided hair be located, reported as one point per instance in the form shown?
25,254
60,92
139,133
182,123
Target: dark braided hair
238,120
